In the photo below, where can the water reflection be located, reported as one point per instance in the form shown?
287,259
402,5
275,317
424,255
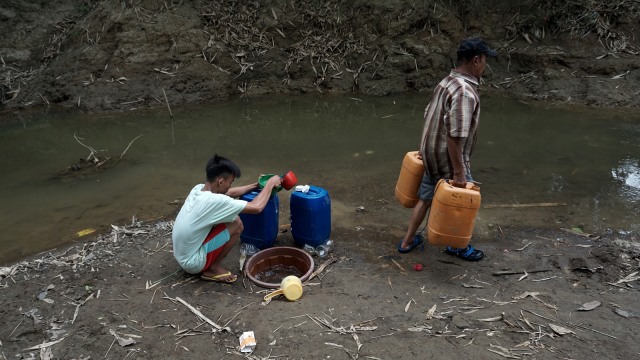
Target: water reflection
628,173
557,183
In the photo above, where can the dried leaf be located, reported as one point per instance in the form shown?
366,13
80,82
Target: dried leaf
431,311
398,265
579,232
44,345
534,295
406,308
46,354
526,320
526,274
364,328
589,306
33,313
7,271
525,294
472,286
496,318
620,75
85,232
426,328
560,330
125,342
122,341
43,294
502,351
357,339
629,278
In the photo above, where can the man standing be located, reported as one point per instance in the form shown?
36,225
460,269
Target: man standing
449,137
208,226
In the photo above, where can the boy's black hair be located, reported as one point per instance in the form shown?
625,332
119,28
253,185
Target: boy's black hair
221,166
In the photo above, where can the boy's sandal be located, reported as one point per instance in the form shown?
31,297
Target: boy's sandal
418,240
225,278
469,253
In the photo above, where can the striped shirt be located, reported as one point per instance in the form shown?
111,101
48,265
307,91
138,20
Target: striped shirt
453,111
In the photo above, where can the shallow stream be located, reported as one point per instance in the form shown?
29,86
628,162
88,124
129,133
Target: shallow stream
586,161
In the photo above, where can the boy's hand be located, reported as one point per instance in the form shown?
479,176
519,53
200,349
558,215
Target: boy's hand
274,181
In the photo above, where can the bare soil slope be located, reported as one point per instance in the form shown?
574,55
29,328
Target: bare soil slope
107,55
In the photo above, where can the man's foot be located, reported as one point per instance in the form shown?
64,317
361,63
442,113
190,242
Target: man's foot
225,278
469,253
418,240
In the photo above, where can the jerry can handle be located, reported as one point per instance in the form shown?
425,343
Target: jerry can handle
473,187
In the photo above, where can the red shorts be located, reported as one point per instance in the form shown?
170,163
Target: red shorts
216,232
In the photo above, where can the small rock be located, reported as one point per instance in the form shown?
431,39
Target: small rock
589,306
625,314
460,323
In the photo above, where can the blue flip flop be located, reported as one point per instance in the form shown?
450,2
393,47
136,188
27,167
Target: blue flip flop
469,253
418,240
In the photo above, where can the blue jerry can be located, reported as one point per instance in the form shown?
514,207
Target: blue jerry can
261,229
310,216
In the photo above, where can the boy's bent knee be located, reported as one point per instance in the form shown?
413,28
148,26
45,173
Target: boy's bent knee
236,227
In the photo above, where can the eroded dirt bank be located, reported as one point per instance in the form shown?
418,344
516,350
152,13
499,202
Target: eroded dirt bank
120,55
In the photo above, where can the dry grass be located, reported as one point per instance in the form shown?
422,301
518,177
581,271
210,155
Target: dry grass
607,20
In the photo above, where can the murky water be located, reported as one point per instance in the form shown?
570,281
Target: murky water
588,159
275,274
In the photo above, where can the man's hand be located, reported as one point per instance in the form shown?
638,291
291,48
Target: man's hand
274,181
459,180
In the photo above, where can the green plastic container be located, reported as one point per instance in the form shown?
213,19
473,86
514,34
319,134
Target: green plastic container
262,181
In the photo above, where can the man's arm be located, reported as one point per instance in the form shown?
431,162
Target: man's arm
238,191
259,202
454,147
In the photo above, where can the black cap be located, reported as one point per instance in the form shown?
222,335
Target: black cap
475,46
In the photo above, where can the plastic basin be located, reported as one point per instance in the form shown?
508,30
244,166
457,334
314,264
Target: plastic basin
278,256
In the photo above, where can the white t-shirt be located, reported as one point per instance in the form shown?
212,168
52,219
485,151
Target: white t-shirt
201,211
